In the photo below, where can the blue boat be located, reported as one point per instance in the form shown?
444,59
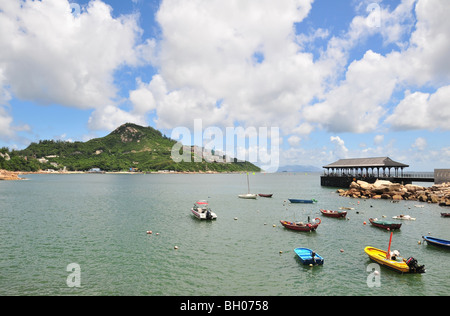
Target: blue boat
302,201
437,242
307,256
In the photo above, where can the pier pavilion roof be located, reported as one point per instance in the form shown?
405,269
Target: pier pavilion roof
378,162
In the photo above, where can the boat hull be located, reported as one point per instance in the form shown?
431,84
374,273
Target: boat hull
404,217
445,214
247,196
302,201
265,195
303,228
379,256
305,256
334,214
437,242
203,216
385,224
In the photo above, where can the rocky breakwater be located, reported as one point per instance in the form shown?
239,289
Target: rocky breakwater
382,189
9,175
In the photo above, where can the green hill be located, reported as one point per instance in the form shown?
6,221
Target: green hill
129,146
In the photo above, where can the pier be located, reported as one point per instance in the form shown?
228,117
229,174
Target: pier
342,172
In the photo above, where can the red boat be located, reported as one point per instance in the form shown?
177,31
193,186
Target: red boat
265,195
335,214
384,224
312,226
445,214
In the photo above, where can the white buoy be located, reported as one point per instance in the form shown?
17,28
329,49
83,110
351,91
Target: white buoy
149,232
176,247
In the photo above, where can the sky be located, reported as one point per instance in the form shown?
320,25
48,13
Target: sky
339,79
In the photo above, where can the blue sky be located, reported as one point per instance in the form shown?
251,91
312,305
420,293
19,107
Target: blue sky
340,79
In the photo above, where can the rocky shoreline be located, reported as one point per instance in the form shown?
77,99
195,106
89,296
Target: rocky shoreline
9,175
381,189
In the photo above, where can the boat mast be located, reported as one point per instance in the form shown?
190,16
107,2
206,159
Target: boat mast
248,185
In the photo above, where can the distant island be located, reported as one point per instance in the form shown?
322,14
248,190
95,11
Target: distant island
129,147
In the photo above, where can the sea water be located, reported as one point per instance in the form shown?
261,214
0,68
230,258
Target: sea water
98,223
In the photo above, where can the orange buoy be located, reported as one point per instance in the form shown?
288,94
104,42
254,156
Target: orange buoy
364,223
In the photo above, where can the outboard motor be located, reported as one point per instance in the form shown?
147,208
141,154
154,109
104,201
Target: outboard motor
208,214
414,267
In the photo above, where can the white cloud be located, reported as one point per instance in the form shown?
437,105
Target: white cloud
49,56
233,61
142,99
359,103
109,117
6,131
422,111
378,139
340,150
294,140
356,104
420,144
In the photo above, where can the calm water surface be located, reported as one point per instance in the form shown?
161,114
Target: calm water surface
100,221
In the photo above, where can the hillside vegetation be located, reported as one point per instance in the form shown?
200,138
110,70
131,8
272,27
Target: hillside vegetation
130,146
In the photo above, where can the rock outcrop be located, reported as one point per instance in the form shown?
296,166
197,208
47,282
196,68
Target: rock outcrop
381,189
9,175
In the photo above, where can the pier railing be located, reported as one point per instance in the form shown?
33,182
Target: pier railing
418,175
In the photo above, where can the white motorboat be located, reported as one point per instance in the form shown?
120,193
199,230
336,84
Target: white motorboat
405,217
201,210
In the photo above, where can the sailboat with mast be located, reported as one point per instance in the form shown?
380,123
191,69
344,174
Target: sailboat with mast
248,195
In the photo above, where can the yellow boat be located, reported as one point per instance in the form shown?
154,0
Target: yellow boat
398,264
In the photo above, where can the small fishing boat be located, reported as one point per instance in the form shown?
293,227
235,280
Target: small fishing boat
300,226
445,214
335,214
384,224
265,195
302,201
394,262
201,210
437,242
307,256
404,217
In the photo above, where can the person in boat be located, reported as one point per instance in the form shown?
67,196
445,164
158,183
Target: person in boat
395,256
